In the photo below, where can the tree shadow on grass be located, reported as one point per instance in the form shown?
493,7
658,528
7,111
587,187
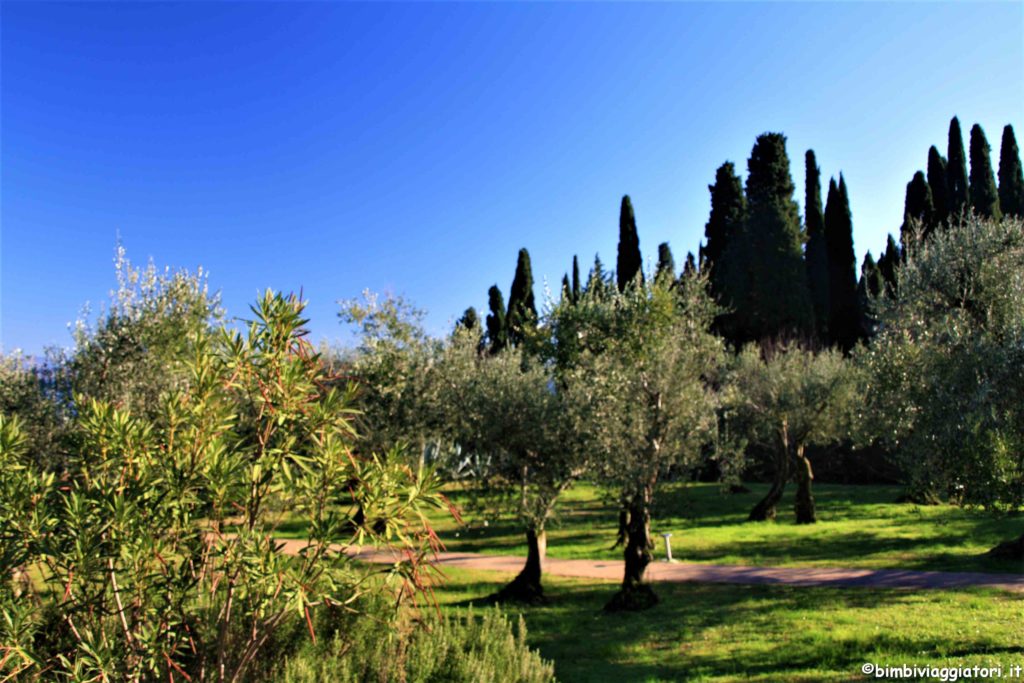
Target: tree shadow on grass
699,631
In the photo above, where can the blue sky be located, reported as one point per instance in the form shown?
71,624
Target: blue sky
414,148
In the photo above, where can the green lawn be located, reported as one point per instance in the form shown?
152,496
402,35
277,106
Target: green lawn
767,633
860,526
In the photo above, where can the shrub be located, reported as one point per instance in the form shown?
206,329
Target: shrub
154,550
464,647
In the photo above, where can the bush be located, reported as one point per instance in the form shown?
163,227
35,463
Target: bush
153,552
468,647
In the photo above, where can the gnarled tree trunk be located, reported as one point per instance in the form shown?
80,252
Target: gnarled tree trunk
526,587
805,512
766,508
635,594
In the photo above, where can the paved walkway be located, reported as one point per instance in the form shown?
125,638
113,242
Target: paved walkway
679,572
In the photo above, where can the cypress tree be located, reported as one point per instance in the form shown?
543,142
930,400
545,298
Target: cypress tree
598,280
469,320
690,267
844,316
629,263
522,312
939,187
566,289
666,271
497,328
918,210
576,291
728,211
984,195
815,257
1011,179
764,274
888,262
868,288
956,171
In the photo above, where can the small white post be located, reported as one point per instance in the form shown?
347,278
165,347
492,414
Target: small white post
668,548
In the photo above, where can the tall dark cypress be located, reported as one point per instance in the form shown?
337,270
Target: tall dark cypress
844,316
815,256
690,266
728,210
566,289
630,263
1011,179
764,274
576,287
497,329
956,171
868,288
522,311
469,320
888,262
666,271
918,211
940,189
984,194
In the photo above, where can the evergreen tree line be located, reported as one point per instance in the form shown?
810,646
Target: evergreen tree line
780,278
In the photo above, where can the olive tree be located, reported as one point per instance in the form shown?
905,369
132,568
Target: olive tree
784,400
509,406
644,360
946,369
392,368
133,352
155,548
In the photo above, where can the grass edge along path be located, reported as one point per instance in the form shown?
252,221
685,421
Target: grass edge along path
683,572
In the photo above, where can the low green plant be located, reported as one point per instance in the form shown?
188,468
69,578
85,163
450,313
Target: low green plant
461,646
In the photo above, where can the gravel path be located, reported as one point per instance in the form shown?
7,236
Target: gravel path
610,570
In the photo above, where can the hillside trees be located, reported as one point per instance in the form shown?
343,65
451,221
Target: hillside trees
763,269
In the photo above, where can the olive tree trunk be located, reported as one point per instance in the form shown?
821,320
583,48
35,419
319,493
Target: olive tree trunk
805,512
526,587
635,594
767,507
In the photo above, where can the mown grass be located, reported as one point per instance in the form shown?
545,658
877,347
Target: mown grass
706,632
859,527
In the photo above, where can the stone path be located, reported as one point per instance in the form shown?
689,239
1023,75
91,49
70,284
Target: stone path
611,570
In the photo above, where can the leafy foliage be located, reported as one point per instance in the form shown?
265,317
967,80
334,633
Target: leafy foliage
947,367
155,552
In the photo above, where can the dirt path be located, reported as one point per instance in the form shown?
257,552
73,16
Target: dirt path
611,570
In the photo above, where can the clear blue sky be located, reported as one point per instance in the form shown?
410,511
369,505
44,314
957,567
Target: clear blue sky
414,148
